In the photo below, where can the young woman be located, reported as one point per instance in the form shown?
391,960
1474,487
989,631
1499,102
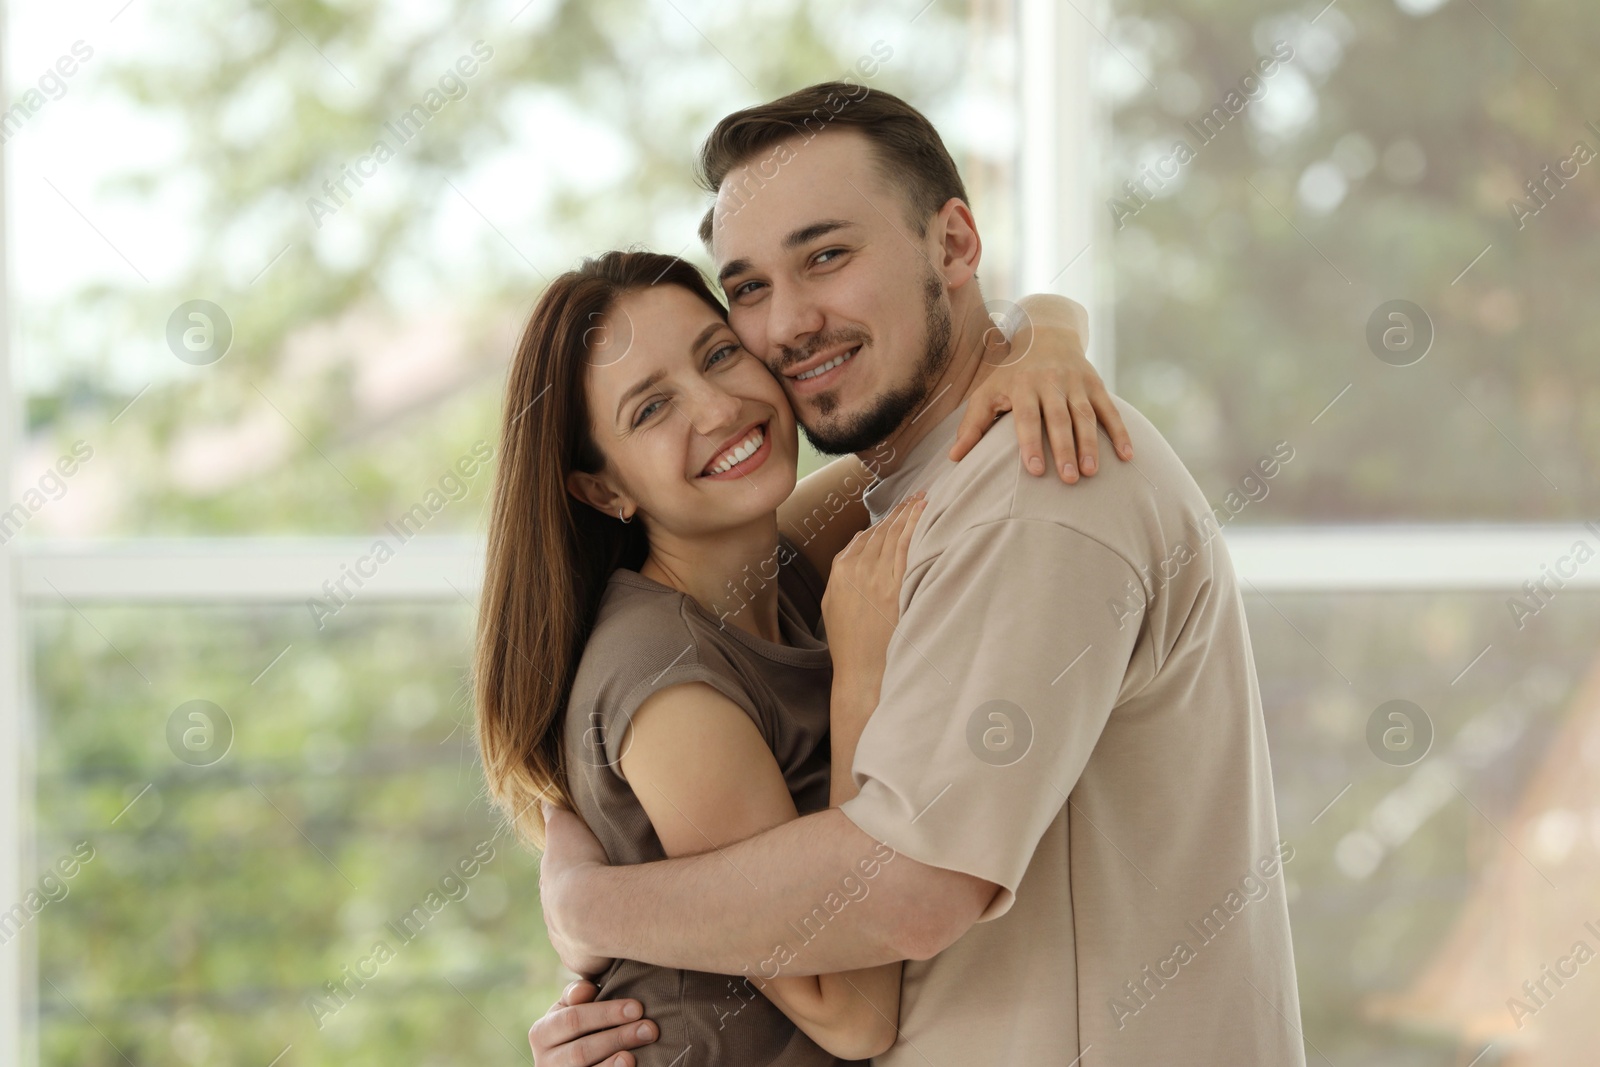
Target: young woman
649,647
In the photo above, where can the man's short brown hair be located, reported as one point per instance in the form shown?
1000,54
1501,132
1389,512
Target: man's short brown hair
910,153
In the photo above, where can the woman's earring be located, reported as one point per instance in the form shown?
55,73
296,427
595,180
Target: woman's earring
619,515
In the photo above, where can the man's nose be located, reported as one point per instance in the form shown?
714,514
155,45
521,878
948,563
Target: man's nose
792,318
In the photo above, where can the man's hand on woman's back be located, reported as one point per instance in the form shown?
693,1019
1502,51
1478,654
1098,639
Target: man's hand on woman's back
579,1031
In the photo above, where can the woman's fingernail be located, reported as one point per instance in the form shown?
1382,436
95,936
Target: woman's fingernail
631,1010
645,1032
1088,466
1035,464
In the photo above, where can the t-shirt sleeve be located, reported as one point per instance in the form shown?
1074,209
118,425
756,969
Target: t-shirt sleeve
664,656
1000,677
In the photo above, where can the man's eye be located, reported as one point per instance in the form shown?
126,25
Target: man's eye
647,411
744,290
825,255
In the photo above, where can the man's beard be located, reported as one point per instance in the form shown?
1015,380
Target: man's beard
890,411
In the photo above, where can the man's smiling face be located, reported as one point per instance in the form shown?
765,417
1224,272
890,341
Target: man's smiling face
829,283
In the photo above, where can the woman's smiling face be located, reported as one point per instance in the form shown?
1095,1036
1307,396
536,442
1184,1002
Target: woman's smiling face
697,435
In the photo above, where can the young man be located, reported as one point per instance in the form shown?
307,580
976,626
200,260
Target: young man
1067,758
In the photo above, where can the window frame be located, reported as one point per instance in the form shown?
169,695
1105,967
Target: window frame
1063,130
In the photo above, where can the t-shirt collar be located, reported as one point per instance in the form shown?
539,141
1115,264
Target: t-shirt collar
922,465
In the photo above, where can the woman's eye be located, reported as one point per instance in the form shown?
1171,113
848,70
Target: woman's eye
647,411
729,350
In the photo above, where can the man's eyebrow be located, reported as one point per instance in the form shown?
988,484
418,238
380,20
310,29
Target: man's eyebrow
737,266
807,234
804,235
649,382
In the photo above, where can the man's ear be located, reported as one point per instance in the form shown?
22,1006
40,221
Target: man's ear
959,247
595,491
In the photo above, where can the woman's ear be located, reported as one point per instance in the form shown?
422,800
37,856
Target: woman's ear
594,490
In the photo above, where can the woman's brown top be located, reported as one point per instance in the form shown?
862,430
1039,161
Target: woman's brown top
649,637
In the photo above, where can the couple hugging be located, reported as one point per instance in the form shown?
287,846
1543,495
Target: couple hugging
876,764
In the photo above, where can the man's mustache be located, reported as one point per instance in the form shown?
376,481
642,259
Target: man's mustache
844,336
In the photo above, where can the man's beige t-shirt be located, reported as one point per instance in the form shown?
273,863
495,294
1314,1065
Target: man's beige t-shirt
1070,710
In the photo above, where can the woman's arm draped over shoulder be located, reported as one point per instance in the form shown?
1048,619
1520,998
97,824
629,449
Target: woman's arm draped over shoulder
706,778
1046,381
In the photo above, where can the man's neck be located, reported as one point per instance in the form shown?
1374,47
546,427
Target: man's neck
977,348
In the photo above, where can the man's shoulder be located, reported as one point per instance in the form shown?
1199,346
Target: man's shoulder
992,484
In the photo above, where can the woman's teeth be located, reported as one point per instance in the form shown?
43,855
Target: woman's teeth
743,451
828,366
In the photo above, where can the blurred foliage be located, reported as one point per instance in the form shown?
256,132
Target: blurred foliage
1375,165
220,899
371,330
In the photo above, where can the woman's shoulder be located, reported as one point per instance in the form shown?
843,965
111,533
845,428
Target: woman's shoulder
641,625
646,638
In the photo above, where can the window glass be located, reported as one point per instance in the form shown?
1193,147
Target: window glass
1363,232
1434,765
271,263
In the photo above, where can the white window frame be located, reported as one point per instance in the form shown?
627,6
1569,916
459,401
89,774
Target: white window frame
1063,130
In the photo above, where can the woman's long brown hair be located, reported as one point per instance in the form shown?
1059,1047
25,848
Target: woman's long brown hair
549,556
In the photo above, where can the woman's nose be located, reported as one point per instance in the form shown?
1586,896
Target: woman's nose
712,408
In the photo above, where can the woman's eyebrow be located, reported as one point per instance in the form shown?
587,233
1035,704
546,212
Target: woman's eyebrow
643,386
650,381
703,336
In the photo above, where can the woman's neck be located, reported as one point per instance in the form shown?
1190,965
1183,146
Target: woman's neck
733,574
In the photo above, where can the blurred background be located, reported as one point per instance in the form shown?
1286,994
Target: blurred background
242,347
